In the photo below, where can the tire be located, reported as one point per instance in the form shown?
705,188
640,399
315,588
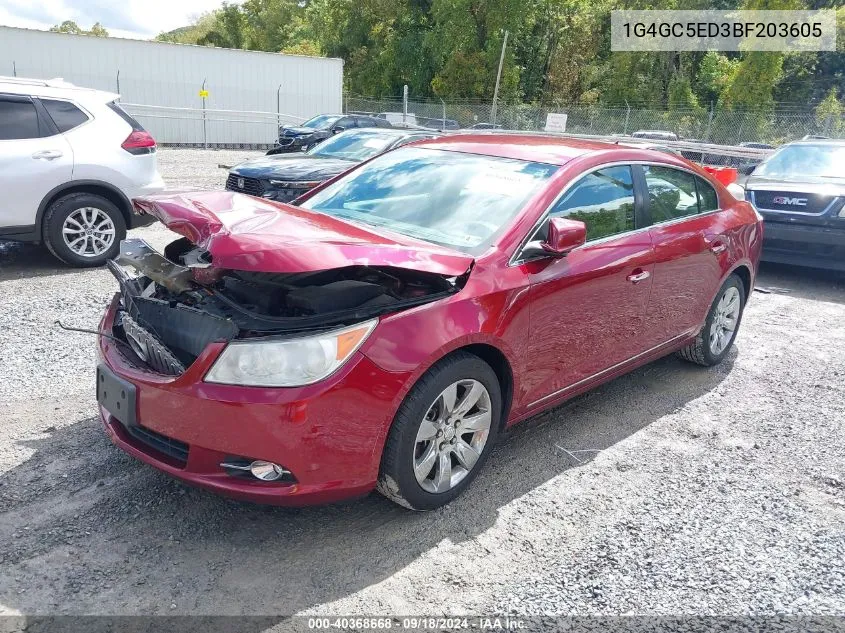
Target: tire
701,351
404,450
99,246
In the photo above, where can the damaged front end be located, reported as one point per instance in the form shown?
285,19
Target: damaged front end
180,301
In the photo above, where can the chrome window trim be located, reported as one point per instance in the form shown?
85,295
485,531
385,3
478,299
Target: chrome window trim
516,260
824,211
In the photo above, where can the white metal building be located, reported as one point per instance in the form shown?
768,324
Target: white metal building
249,92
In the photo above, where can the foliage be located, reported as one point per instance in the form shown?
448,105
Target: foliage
558,52
191,34
69,26
829,114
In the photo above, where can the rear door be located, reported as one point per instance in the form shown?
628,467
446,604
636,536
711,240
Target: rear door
690,250
587,309
34,159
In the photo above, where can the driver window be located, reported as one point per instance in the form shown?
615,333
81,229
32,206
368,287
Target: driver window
603,200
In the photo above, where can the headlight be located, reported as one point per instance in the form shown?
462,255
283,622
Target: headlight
290,362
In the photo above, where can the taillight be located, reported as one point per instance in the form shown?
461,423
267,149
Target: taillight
139,142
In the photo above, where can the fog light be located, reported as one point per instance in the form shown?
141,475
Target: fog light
266,471
260,469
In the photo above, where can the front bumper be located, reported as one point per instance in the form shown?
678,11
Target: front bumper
329,435
804,245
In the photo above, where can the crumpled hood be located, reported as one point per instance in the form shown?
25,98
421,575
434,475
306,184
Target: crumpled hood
293,167
246,233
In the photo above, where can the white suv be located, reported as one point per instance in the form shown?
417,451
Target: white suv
70,162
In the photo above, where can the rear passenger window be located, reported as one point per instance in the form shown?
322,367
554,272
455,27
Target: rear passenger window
707,198
18,120
603,200
65,115
671,193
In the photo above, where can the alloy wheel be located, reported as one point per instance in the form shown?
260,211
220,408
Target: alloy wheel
452,435
88,232
725,319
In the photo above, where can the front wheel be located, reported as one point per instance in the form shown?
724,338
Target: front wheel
442,434
721,326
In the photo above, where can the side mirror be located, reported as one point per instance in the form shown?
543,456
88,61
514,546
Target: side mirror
747,169
563,236
337,129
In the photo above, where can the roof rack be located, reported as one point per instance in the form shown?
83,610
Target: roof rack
56,82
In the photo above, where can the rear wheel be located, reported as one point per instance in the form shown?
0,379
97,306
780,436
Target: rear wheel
720,329
84,229
442,434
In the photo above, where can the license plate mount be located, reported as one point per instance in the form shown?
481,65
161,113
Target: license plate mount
117,396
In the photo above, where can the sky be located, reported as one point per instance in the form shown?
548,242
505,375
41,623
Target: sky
137,19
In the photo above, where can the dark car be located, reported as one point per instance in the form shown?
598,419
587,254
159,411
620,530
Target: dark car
284,178
755,145
656,135
800,191
293,138
485,126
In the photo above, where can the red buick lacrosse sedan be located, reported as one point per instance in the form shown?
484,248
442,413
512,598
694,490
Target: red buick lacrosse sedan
381,332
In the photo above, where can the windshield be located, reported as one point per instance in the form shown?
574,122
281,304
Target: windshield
322,121
449,198
357,146
803,161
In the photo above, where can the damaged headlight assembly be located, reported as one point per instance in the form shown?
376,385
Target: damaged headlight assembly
289,362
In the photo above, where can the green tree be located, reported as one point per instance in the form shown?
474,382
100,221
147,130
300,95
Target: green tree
229,30
558,51
69,26
192,33
829,115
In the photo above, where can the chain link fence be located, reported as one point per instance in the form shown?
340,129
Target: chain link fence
248,129
723,127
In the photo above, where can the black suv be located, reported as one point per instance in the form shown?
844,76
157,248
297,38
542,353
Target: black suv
800,191
314,131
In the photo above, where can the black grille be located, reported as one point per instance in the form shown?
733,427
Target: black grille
174,449
792,201
252,186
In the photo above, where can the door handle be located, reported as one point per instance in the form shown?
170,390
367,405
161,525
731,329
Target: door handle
716,244
637,277
48,154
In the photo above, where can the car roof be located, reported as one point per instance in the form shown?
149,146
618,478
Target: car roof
52,88
540,148
819,141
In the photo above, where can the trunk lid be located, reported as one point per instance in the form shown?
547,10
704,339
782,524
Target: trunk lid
250,234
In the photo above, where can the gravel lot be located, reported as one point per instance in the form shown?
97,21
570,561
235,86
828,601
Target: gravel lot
698,491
